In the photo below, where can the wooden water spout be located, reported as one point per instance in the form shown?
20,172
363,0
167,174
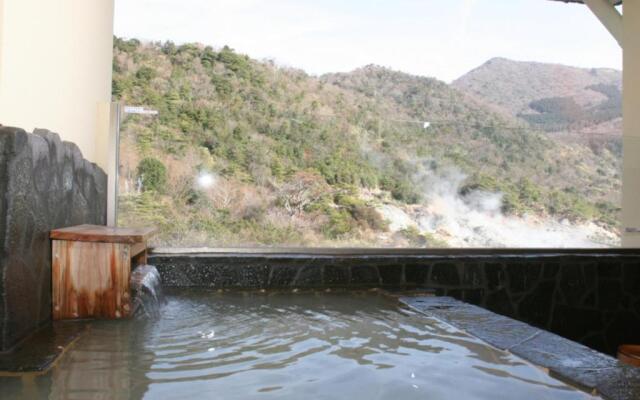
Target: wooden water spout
91,270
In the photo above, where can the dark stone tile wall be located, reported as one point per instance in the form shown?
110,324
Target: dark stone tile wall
44,184
592,297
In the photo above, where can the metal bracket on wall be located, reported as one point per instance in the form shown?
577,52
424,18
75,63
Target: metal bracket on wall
112,166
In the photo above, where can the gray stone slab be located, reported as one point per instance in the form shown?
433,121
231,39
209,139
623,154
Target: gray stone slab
557,353
616,383
501,332
40,350
566,360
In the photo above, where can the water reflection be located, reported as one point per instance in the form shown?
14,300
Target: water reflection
238,346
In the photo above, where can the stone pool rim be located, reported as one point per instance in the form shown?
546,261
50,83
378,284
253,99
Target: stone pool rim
389,252
563,359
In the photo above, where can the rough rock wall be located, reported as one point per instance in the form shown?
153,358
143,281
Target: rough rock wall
44,184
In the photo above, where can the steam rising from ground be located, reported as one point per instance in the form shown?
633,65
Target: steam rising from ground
476,219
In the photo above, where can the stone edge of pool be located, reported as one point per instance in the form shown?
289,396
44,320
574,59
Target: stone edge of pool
564,359
39,352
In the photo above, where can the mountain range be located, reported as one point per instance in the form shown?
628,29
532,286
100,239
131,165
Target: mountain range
246,152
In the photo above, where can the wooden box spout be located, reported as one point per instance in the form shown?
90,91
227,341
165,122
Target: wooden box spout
91,270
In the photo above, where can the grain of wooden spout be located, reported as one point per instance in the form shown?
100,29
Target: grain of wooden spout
91,270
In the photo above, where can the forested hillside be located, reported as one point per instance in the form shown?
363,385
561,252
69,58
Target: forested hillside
244,152
550,96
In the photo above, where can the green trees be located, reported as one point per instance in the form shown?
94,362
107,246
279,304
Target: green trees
145,75
402,189
302,158
237,63
153,174
127,46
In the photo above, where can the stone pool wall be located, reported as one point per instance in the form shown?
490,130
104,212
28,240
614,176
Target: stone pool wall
591,296
44,184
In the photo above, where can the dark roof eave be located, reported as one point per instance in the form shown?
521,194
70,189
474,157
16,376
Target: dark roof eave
614,2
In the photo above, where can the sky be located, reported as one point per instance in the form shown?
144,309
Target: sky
436,38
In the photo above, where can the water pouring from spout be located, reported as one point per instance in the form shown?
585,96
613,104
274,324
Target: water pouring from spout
146,287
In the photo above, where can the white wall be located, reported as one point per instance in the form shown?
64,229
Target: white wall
631,122
55,68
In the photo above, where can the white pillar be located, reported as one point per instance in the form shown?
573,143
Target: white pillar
55,66
107,148
631,125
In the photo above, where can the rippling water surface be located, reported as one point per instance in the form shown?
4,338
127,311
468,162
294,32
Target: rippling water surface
285,346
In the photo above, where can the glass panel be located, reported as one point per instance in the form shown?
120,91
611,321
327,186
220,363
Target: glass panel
248,152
